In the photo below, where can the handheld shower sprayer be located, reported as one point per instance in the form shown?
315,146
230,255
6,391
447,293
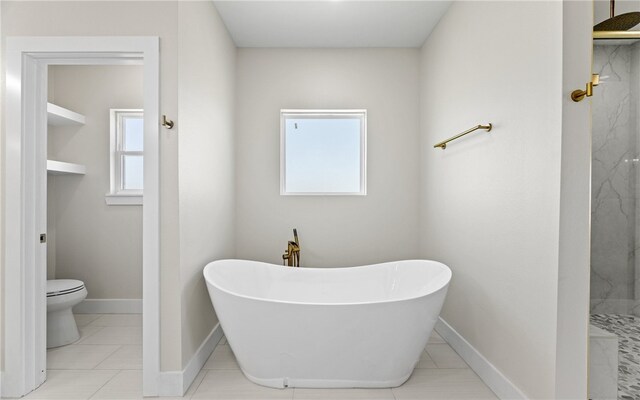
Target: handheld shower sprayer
291,257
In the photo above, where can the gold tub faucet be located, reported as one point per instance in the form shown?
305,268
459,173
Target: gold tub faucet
291,257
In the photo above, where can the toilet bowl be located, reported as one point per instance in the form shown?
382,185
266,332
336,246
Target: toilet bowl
62,295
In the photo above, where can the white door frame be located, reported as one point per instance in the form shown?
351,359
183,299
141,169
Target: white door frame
24,170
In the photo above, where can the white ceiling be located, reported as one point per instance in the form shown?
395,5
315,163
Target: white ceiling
331,23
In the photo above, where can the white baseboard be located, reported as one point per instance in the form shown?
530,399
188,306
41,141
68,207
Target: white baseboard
109,306
176,383
170,384
500,384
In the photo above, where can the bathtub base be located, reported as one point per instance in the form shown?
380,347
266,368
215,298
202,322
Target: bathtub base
281,383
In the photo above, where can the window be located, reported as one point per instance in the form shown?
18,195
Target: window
127,155
323,152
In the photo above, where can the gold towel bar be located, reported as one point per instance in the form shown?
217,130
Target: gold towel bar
443,144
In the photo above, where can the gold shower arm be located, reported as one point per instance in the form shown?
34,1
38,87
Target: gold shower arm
443,144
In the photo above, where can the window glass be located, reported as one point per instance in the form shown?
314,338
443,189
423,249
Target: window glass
323,152
132,172
133,133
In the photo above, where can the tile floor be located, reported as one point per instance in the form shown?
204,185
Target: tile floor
106,364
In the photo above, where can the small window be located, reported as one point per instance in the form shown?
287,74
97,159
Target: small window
127,157
323,152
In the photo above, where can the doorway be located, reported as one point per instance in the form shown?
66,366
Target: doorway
24,198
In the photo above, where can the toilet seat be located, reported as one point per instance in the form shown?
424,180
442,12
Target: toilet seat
60,287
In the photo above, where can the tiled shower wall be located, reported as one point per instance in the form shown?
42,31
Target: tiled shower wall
614,228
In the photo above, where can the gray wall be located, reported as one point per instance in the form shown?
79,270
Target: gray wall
206,94
490,202
89,240
334,230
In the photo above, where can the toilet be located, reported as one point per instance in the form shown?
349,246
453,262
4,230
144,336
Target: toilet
62,295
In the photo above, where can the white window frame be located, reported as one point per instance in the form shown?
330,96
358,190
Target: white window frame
328,114
117,195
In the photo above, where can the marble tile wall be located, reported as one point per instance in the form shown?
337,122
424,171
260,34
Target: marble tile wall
614,225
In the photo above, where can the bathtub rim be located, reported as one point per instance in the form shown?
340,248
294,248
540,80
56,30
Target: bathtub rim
360,303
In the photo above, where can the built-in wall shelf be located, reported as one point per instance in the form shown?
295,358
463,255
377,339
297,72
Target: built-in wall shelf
65,168
60,116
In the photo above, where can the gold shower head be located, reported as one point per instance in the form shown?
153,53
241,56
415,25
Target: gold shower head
622,22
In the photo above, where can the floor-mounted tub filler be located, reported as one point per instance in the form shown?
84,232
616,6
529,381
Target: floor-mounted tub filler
327,327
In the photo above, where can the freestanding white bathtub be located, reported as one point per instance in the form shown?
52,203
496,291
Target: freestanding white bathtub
327,327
